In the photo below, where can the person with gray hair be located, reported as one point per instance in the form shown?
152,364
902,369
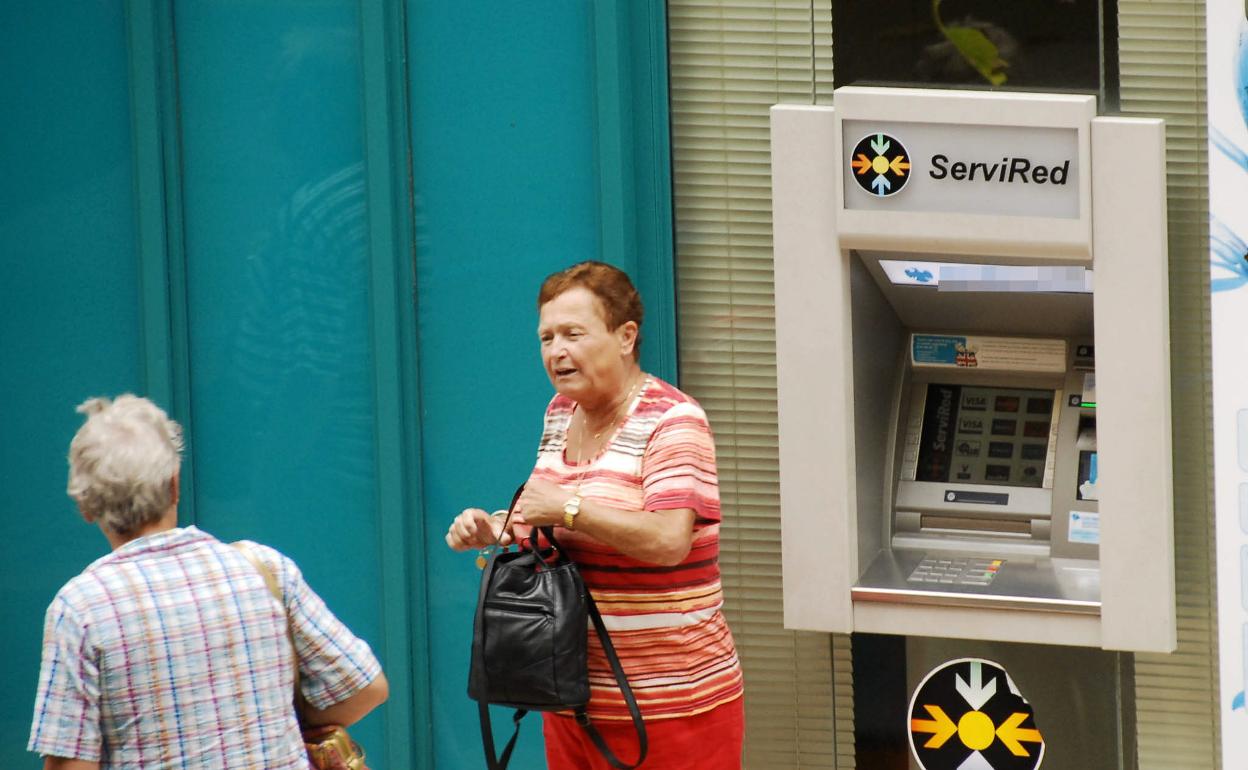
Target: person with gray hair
171,652
124,464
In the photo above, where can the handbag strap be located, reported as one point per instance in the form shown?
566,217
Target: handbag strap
497,762
271,581
582,715
492,760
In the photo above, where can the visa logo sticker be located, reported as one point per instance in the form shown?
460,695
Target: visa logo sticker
975,403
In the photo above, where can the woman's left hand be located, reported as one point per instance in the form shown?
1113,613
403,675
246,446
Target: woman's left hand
541,504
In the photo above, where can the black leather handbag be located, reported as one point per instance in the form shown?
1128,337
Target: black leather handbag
530,640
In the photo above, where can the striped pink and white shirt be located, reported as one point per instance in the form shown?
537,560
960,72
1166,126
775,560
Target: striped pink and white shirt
170,652
665,622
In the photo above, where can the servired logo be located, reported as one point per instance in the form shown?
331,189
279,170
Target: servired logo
881,164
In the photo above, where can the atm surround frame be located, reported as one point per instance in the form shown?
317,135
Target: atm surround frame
819,505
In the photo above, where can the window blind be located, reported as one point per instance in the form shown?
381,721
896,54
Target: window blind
1162,60
730,60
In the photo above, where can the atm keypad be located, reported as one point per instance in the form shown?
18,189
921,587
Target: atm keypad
935,570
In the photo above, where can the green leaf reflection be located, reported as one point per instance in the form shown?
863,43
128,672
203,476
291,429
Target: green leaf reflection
980,52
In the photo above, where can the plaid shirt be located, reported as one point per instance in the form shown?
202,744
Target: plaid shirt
170,652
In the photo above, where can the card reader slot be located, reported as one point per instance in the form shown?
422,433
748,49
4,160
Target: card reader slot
931,521
912,520
960,524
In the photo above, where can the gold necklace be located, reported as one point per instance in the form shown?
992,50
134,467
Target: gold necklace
615,413
616,420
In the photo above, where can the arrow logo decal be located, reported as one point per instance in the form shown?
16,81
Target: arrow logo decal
1011,735
976,761
968,714
940,726
880,165
977,693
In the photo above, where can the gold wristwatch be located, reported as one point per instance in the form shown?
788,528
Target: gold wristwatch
570,509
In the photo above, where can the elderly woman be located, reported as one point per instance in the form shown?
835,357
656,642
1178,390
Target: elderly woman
171,651
626,467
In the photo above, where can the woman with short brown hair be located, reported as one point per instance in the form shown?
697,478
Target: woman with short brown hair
626,466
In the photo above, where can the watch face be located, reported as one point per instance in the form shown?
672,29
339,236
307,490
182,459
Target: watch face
570,509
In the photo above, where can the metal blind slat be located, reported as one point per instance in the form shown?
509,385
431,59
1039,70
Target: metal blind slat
730,61
1162,59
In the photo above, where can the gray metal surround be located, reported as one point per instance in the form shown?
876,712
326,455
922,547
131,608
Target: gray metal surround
879,343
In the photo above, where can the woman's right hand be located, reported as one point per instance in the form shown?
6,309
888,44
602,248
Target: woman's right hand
474,528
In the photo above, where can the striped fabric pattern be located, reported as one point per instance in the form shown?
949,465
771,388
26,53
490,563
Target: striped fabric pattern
665,622
170,652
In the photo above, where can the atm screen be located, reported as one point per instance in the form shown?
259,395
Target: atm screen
977,435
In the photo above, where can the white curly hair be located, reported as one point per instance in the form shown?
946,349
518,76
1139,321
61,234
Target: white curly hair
122,462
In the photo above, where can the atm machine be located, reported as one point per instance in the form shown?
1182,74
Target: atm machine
973,368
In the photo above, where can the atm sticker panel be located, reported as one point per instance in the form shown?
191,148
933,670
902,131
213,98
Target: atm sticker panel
1002,354
984,435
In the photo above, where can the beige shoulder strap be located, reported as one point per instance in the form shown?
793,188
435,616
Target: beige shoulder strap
263,569
271,581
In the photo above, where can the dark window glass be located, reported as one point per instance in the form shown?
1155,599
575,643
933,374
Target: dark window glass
1030,45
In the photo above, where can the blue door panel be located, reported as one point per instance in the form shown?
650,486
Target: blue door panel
503,166
69,317
278,293
270,320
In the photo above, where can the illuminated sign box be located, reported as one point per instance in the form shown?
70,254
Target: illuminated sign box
985,174
978,170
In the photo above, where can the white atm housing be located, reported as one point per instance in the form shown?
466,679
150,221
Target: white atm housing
867,530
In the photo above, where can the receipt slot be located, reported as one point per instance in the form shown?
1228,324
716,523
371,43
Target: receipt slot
973,368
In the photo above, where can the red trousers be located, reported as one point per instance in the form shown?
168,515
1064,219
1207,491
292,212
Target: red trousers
708,741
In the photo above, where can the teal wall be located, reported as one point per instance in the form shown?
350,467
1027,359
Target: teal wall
280,365
524,163
314,232
69,319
